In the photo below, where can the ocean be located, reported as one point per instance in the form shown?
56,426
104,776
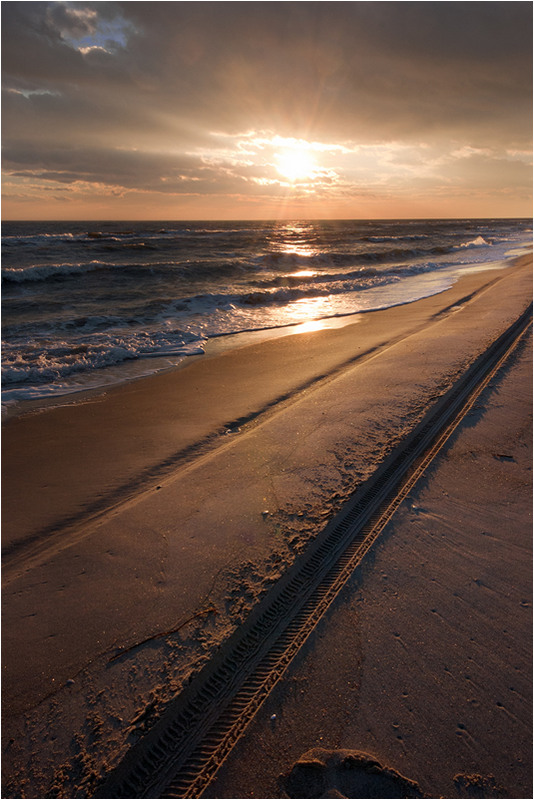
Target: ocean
87,304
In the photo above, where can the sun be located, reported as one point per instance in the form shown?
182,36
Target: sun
295,165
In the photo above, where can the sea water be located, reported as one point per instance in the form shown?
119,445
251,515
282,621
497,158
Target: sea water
88,304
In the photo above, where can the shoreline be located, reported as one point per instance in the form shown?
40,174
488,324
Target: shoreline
130,509
113,378
92,454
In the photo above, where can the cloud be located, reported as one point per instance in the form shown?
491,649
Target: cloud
175,97
72,21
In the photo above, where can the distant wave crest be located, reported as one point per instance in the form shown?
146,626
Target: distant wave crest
43,272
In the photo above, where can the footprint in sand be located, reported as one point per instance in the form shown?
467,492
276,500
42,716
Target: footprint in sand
345,773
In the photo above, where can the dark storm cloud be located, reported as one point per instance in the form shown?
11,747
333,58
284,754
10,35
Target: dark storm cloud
91,77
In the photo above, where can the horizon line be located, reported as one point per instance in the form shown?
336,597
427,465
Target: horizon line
261,219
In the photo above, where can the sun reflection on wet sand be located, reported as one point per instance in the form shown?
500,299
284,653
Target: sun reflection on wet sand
312,325
308,327
316,314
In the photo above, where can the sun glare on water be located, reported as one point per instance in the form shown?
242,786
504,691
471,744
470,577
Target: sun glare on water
295,165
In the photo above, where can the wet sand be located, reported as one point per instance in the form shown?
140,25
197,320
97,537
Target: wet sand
172,504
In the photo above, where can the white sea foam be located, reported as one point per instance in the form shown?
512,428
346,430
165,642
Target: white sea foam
478,242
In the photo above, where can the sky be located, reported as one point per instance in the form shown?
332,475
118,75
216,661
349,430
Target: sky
266,110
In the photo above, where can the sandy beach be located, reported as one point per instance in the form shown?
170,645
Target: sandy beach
141,526
423,665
